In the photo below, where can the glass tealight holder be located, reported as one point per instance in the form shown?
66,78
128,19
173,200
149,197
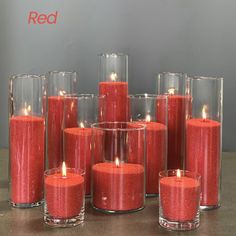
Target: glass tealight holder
144,109
59,84
26,139
113,83
77,131
177,87
179,199
64,197
204,137
118,176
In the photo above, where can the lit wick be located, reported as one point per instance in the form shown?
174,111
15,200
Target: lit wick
204,112
113,76
178,173
171,91
148,118
81,125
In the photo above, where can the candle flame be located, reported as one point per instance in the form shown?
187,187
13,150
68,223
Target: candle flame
63,168
178,173
113,76
62,92
27,110
148,118
81,125
204,112
171,91
117,162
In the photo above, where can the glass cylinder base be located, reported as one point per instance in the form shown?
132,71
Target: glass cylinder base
64,222
208,208
149,195
180,225
26,205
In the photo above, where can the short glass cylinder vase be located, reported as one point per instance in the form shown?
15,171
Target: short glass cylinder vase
204,137
144,109
118,172
179,200
64,197
59,84
26,139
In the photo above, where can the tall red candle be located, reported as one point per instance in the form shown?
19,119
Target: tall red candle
27,158
118,188
55,126
203,156
177,106
179,198
64,194
77,144
115,102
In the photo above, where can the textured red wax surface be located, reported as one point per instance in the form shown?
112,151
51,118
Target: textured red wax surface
115,102
177,105
64,195
155,154
27,158
203,156
55,119
77,144
179,198
118,188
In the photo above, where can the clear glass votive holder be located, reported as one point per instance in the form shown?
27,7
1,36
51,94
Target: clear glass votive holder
64,197
179,199
26,139
118,177
144,109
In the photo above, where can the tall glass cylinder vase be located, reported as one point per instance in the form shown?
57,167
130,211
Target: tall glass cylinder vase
78,132
204,135
59,84
176,87
144,110
26,139
118,178
113,83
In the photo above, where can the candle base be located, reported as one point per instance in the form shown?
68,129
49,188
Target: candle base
64,222
26,205
178,225
208,208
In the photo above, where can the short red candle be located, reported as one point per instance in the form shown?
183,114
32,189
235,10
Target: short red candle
77,144
64,195
55,119
155,153
177,105
179,198
118,188
203,156
27,158
115,102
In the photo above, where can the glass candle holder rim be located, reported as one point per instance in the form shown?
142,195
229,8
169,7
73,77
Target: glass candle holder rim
147,95
196,77
180,74
59,170
62,72
26,76
173,172
112,54
138,127
83,95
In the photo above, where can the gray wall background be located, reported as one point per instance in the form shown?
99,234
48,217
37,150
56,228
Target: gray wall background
197,37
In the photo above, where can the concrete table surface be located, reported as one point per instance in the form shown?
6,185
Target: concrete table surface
30,221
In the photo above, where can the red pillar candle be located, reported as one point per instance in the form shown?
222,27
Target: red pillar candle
118,187
177,106
77,149
203,156
64,193
115,102
179,198
55,119
27,159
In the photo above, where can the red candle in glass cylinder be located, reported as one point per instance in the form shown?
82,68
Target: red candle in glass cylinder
55,119
64,194
177,105
77,149
203,156
155,154
27,158
116,101
118,187
179,197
